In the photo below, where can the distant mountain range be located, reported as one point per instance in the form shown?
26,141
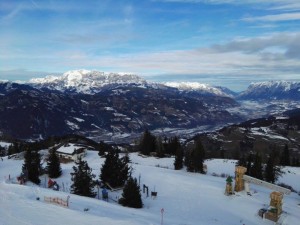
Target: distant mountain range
94,103
272,90
91,82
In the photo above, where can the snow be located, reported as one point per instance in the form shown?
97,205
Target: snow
270,88
86,81
69,149
284,85
4,144
266,132
72,125
195,86
79,119
95,126
187,198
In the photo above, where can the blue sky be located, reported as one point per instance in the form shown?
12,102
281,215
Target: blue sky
221,42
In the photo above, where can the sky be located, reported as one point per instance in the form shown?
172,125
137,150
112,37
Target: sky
221,42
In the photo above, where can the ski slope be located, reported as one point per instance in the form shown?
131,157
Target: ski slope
187,198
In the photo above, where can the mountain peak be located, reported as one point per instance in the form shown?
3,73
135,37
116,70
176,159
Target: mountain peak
86,81
272,90
284,85
196,86
75,75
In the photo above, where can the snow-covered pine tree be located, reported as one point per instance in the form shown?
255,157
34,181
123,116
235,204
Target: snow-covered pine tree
131,196
53,165
82,177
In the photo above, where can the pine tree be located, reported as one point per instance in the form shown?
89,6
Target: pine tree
53,165
295,162
178,163
198,157
2,151
249,164
285,157
11,149
171,145
256,169
131,196
125,169
195,158
147,143
102,148
188,162
222,153
82,177
32,166
160,149
115,170
272,171
242,161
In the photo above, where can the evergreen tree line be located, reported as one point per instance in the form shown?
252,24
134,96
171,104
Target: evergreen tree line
151,144
192,157
115,171
158,145
32,167
269,171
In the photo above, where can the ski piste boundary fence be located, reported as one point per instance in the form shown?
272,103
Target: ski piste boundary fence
57,201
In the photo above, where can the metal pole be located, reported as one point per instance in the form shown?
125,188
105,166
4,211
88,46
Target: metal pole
162,216
139,179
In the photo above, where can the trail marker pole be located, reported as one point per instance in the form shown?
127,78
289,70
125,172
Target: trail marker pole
162,216
68,198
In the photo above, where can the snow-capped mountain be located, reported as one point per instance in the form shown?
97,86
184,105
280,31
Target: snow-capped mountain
91,82
86,81
272,90
30,112
205,89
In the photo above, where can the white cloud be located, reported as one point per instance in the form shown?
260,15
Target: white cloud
275,17
239,2
267,55
287,7
286,41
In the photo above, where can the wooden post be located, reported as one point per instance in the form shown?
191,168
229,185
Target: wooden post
239,182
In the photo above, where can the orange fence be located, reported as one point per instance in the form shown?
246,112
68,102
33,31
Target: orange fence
57,201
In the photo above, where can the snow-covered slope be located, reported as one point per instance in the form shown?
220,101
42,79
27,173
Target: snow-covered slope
272,90
187,198
86,81
199,87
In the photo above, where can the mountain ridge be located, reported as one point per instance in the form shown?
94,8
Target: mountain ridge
91,82
30,112
272,90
